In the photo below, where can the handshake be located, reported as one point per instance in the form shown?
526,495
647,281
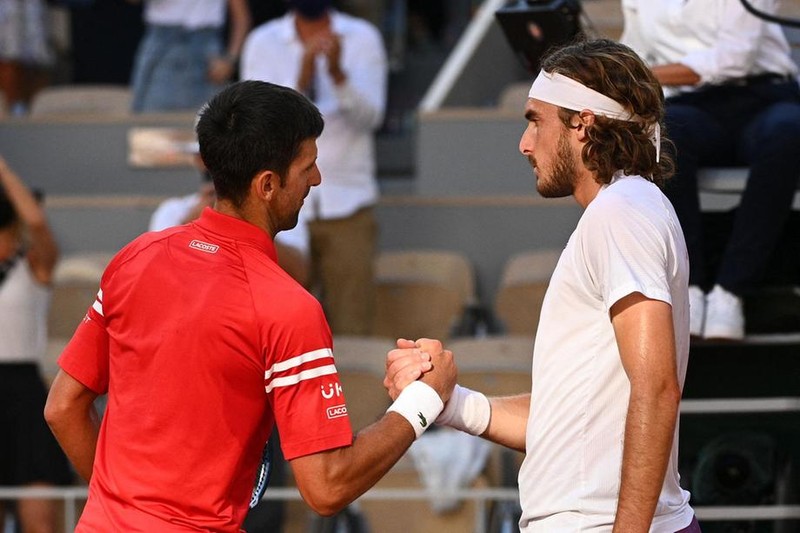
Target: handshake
421,379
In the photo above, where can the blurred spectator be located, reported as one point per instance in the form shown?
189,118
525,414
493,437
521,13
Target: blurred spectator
339,62
292,247
24,52
180,62
29,455
732,99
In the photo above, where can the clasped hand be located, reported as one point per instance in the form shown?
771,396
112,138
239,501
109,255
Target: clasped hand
426,360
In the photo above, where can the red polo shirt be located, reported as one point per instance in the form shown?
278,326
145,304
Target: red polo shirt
202,342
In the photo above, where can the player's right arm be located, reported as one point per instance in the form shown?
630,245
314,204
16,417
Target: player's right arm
83,376
502,420
509,421
330,480
74,421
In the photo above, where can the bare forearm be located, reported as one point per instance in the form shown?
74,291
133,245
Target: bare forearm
74,421
331,480
76,433
649,432
675,74
509,421
306,76
241,22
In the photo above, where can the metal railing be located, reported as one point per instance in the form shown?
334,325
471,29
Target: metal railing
481,497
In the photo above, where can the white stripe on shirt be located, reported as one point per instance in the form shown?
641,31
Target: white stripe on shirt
98,303
302,376
297,361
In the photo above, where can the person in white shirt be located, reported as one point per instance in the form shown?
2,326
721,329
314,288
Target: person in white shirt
29,454
181,62
733,99
599,427
339,62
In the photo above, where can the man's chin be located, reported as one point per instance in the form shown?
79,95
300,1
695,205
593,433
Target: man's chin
550,192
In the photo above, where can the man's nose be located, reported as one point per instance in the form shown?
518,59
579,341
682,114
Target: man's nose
525,144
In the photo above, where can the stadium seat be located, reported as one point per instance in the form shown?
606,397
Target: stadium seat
75,284
513,97
361,363
81,100
421,293
496,366
519,297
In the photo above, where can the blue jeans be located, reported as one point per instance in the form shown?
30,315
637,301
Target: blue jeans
756,124
170,72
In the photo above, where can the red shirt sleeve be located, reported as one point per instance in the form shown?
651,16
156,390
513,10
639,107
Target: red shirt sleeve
85,357
305,391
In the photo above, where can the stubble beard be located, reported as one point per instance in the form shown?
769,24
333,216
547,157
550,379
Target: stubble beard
561,181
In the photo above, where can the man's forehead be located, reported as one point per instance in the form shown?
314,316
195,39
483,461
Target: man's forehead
535,108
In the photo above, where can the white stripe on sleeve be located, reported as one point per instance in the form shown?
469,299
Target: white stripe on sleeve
302,376
297,361
98,303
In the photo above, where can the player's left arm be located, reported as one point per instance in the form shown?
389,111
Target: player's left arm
74,421
645,336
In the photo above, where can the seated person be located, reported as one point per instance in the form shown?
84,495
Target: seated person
732,100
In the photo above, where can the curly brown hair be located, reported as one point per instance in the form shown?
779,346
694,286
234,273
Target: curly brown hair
616,71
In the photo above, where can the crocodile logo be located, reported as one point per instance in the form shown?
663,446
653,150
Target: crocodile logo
422,421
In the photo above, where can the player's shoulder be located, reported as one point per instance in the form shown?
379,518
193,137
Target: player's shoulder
131,251
265,276
283,303
623,195
631,203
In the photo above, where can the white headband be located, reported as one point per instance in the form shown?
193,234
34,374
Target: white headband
565,92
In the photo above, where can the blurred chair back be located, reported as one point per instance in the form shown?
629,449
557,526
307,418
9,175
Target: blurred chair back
513,97
75,285
82,100
496,366
521,291
361,363
421,293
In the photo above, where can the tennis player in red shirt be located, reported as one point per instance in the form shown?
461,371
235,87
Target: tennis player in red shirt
202,343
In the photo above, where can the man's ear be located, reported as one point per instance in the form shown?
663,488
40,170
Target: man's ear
585,119
264,184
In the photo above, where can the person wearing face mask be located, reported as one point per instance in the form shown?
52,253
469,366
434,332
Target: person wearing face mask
29,455
339,62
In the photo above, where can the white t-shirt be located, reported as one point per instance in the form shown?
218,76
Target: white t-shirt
24,303
352,111
628,240
190,14
718,39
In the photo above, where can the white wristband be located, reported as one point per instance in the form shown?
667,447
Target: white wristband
419,404
466,410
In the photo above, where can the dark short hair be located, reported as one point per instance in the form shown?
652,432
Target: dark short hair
615,70
252,126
